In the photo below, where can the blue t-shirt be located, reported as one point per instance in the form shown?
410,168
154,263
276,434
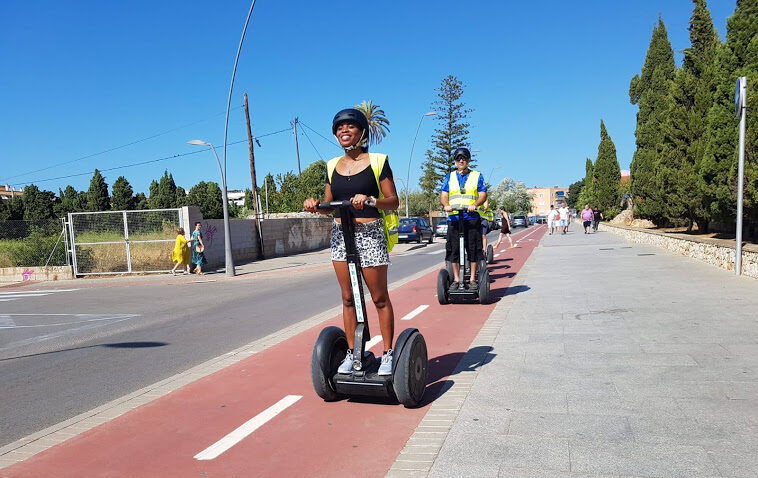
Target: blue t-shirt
480,187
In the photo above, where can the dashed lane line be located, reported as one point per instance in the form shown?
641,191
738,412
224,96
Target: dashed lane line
247,428
415,312
374,340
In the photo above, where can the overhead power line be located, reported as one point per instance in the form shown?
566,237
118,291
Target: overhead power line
314,146
324,137
123,166
109,150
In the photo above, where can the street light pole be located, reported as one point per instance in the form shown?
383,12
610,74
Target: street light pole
228,259
741,107
408,177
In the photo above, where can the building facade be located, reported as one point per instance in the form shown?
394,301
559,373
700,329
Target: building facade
542,198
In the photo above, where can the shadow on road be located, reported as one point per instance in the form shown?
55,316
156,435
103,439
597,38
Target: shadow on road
497,294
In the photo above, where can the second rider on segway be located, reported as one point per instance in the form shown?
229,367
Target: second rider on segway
463,188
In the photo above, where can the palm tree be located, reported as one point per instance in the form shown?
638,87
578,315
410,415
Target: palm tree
378,124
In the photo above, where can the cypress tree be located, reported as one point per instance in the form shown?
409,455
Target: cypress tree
651,92
163,193
608,174
71,200
97,194
197,195
452,132
736,57
682,150
123,195
16,209
181,197
587,194
214,202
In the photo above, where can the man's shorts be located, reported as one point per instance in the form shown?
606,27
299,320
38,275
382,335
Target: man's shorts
473,241
551,224
485,226
564,222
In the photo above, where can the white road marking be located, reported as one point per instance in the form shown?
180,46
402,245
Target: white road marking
497,255
374,340
6,321
45,291
415,312
440,251
21,296
247,428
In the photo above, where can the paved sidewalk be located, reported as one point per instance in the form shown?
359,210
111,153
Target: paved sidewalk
614,360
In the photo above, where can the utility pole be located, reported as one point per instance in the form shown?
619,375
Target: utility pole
740,105
254,181
297,148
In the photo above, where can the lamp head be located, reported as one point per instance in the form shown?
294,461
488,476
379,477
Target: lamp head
198,142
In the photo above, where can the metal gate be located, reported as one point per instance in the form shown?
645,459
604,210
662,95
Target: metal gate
122,242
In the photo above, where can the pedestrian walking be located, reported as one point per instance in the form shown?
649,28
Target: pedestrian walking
198,249
505,228
180,256
597,216
360,176
587,218
552,219
563,215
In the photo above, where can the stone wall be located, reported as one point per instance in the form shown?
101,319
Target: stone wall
711,251
25,274
282,236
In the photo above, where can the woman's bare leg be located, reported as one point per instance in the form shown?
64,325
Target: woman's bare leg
376,280
348,304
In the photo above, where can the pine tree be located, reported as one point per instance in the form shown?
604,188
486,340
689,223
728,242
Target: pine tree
197,195
310,183
97,194
650,91
163,193
574,191
71,200
38,205
608,174
214,202
16,209
181,197
140,202
123,195
452,132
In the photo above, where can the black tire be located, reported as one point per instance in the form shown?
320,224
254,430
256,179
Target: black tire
484,287
443,284
490,254
328,352
409,380
482,265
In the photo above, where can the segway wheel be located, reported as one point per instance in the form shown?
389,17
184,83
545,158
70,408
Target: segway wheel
449,268
328,352
490,254
443,284
484,287
409,380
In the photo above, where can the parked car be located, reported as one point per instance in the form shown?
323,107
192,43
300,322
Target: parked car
414,229
541,220
441,229
519,220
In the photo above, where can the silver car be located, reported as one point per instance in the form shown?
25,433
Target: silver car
441,228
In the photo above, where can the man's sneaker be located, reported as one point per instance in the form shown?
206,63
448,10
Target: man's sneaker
454,286
347,365
473,285
386,366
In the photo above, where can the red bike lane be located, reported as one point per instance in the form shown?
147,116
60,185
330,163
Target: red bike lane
305,436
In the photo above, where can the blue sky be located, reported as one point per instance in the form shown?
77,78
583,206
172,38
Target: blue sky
80,78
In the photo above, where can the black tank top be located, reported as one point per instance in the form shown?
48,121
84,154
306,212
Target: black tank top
345,187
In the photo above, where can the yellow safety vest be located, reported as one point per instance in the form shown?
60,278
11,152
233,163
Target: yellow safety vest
468,196
486,214
391,219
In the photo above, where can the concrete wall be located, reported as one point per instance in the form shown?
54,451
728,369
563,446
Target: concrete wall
24,274
707,250
281,236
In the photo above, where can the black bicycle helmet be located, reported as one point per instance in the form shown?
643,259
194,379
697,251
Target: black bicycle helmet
350,114
462,152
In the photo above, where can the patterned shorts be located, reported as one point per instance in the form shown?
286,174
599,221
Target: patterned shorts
369,239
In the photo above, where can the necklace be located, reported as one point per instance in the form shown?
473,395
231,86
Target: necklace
350,167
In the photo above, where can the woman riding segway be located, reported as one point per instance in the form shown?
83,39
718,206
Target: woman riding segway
363,180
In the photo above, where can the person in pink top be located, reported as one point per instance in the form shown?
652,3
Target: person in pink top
587,218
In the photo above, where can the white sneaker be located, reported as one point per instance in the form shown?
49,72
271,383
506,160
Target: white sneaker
347,365
385,368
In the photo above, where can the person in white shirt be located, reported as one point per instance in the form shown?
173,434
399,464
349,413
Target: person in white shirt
551,218
563,213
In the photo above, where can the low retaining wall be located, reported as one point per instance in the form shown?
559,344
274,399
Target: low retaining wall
706,250
25,274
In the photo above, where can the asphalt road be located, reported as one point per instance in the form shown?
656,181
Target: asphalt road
71,350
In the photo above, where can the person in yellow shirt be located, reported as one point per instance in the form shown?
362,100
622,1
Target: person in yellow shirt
463,188
181,254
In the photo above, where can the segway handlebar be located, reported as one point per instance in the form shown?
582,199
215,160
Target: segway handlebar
341,204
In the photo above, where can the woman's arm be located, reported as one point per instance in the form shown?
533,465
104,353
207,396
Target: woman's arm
311,204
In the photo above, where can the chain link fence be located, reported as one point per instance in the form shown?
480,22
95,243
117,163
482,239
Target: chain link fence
32,243
115,242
